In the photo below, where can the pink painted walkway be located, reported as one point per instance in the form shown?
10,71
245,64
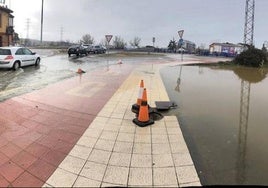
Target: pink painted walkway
37,130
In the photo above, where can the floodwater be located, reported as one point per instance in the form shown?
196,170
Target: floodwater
223,113
57,66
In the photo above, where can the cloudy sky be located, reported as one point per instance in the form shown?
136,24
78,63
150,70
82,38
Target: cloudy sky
204,21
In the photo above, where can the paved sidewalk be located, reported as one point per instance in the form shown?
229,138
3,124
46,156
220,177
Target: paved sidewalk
115,152
40,128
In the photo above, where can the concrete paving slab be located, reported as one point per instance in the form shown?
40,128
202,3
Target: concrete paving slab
123,147
86,182
116,175
61,178
94,171
120,159
140,177
187,174
164,176
72,164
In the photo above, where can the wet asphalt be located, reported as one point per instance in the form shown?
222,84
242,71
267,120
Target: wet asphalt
57,66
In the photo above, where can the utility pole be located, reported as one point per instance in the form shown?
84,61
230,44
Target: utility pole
249,22
27,27
61,34
42,15
245,95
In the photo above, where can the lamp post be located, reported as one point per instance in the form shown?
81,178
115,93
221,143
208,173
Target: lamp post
42,12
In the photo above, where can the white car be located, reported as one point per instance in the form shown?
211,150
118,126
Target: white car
16,57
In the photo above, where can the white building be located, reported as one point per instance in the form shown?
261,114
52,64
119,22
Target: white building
225,49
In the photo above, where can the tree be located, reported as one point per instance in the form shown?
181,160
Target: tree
87,39
172,45
252,57
264,49
119,43
136,42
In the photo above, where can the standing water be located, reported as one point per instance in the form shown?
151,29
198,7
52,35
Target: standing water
223,113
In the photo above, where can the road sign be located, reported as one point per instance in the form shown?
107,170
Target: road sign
181,33
108,37
181,42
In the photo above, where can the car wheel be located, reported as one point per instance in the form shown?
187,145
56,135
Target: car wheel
77,54
37,62
69,55
16,66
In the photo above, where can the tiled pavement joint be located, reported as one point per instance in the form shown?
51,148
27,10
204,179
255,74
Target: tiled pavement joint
115,152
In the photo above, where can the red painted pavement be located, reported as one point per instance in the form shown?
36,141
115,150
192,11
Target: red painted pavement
37,130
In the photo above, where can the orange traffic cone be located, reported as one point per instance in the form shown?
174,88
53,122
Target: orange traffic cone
119,62
135,107
143,117
80,71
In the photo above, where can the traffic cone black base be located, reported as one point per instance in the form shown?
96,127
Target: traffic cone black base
143,124
143,118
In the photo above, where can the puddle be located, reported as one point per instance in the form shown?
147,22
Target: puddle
223,115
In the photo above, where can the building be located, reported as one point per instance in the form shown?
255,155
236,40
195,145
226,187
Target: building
225,49
188,46
6,26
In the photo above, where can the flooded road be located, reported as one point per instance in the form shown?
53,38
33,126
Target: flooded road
30,78
57,66
223,115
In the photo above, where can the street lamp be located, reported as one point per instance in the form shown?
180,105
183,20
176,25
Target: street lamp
42,12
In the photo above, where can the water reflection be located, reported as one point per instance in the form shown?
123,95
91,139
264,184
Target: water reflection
223,120
243,130
177,88
247,76
251,75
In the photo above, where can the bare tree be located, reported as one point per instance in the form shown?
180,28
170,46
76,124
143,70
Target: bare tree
87,39
136,42
119,43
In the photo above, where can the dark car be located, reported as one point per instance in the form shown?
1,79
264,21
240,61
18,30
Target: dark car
98,49
77,50
88,47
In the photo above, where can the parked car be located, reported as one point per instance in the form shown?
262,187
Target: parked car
16,57
98,49
77,50
88,47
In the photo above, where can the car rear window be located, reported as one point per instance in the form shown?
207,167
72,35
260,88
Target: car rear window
5,52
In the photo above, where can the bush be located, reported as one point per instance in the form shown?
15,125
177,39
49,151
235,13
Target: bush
252,57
